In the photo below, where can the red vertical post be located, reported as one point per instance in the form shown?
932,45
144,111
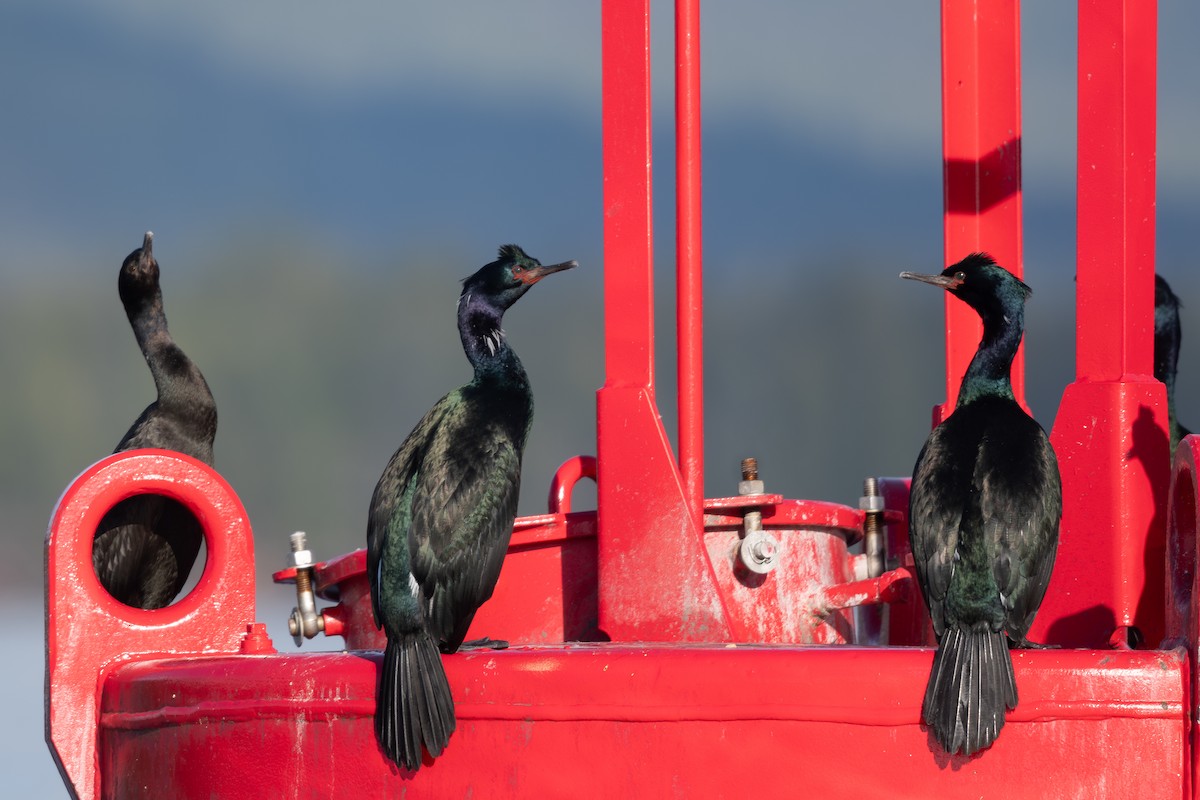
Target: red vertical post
981,144
1110,433
689,298
656,582
1116,185
628,197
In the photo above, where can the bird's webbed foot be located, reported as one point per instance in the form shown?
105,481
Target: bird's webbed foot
1025,644
484,644
1126,637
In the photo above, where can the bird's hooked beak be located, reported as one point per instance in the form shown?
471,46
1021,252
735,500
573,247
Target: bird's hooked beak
535,274
947,282
148,244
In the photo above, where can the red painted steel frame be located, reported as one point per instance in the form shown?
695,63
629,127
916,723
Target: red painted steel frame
1110,433
981,145
656,582
88,633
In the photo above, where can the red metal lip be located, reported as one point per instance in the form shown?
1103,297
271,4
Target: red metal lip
855,685
698,708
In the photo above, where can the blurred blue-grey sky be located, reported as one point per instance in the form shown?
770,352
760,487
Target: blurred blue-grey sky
371,125
385,146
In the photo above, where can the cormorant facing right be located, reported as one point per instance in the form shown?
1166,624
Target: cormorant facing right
984,511
442,514
1166,351
145,546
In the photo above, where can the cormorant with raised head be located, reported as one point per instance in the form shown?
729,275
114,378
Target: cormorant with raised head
1166,351
984,512
146,545
442,514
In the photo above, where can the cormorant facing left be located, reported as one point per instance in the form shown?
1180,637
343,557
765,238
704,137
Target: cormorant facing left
145,546
1166,351
984,511
442,514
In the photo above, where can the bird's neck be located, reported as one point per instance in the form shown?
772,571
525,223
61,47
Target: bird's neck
1166,359
990,371
176,378
485,342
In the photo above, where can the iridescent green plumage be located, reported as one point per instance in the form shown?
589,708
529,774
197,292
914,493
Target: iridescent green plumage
1167,339
984,511
442,514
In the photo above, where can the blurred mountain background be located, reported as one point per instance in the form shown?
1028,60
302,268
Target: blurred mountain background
319,177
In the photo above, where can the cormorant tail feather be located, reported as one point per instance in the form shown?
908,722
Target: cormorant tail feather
415,707
971,685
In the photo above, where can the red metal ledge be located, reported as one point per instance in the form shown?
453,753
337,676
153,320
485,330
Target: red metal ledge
643,721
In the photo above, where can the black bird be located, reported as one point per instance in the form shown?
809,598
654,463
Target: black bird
442,514
984,512
145,546
1166,351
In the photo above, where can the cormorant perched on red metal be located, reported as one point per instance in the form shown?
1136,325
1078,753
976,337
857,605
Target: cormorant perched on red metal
442,514
1167,338
983,520
145,546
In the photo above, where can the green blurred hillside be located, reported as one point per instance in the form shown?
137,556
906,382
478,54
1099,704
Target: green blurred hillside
321,363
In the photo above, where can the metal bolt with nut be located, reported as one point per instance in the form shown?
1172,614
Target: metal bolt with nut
759,550
305,621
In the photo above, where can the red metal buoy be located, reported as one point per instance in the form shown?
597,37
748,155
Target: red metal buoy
671,645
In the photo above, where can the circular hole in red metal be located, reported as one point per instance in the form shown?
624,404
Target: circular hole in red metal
149,551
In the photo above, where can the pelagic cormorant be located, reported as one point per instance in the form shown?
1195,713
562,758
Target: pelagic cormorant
1166,351
145,546
442,514
984,511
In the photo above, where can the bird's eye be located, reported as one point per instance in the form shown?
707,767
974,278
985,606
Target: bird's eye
960,276
517,269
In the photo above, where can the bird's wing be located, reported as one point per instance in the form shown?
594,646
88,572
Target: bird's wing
1021,501
391,503
935,511
125,546
462,521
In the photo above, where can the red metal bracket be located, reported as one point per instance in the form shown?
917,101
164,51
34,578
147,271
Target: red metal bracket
656,581
88,632
1110,433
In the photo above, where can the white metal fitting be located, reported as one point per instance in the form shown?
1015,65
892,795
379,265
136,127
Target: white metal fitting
759,552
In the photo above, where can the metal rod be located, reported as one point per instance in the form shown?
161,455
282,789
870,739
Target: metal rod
306,621
689,294
874,536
